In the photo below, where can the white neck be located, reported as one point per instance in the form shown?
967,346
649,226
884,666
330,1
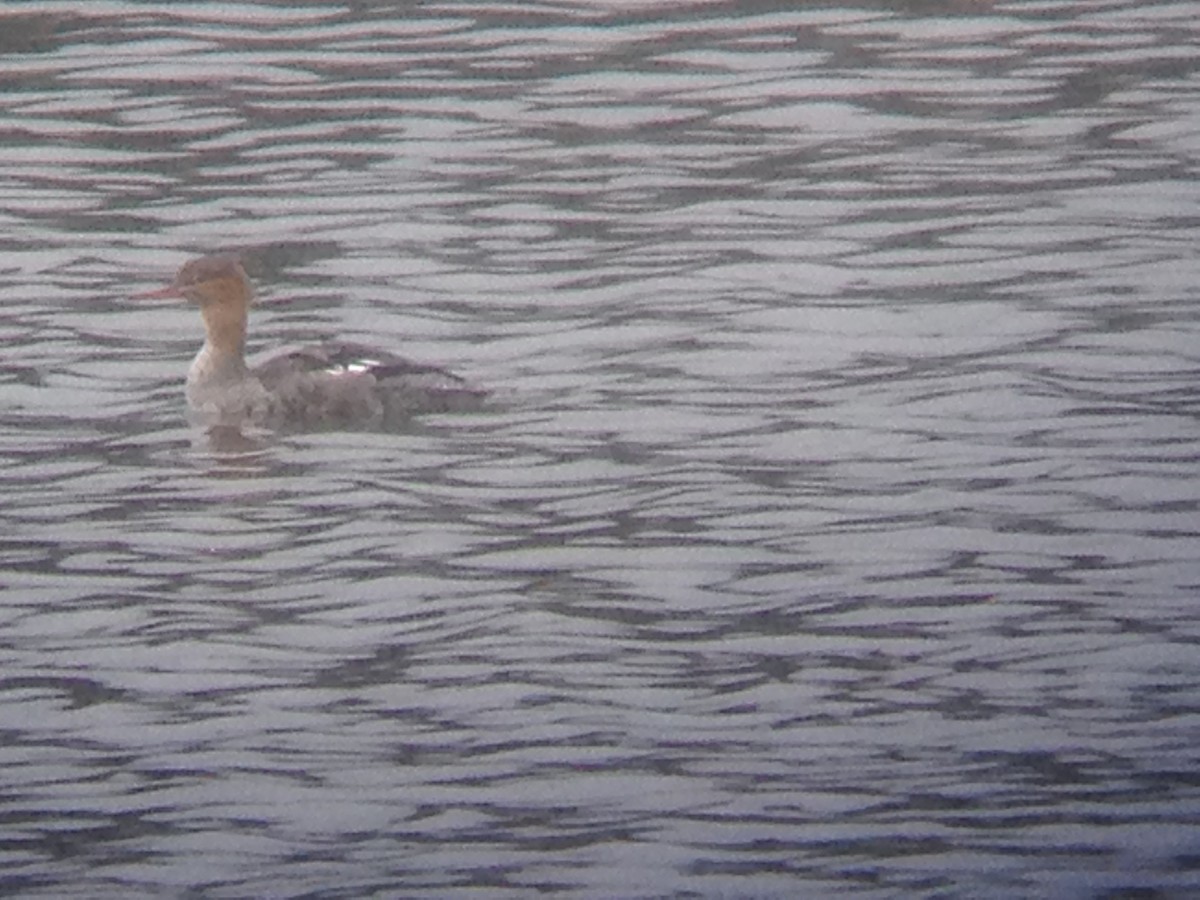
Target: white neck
220,389
215,367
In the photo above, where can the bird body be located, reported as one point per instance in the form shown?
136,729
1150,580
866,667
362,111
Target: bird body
336,384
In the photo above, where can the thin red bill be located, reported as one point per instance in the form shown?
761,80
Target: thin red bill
161,294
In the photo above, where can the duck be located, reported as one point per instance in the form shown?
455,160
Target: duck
336,384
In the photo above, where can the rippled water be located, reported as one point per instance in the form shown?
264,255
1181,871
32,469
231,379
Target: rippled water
835,533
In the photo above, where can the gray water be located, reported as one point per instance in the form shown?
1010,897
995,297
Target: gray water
834,530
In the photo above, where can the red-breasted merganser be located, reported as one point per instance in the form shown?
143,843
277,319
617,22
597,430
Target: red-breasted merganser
325,385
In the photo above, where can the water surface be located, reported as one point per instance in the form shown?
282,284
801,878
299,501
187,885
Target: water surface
833,532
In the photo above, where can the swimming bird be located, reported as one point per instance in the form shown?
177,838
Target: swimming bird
329,385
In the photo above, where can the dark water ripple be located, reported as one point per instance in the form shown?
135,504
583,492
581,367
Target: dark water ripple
834,532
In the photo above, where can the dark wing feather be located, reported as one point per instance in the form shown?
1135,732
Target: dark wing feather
342,382
357,357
